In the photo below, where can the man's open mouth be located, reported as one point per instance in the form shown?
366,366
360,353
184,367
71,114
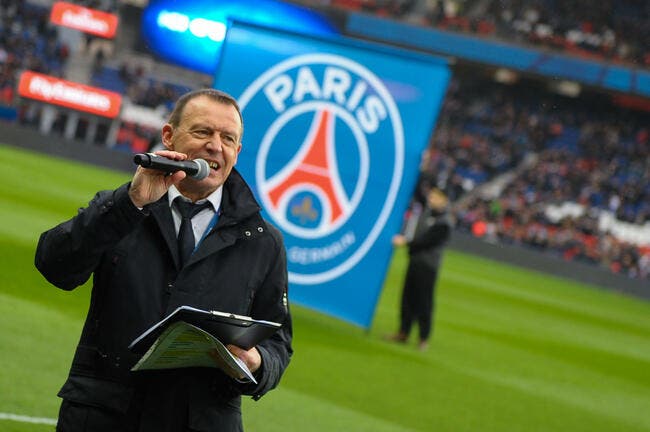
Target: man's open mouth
213,165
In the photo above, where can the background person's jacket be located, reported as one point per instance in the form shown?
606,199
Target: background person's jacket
432,232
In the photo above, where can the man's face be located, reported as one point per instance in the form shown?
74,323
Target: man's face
207,130
437,201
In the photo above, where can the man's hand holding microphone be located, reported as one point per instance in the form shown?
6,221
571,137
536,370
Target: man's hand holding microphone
158,171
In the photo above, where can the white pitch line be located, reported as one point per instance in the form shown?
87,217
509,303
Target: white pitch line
27,419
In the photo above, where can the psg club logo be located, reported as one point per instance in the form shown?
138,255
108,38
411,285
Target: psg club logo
329,162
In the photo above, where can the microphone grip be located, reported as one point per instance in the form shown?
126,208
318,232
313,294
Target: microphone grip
150,160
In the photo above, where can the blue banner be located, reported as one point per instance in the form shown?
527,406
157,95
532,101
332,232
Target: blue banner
333,134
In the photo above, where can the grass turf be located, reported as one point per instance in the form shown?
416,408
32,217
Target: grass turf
513,350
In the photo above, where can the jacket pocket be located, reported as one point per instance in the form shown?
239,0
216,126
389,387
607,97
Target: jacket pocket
96,392
214,410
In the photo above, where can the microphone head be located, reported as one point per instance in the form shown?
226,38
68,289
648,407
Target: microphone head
203,169
142,159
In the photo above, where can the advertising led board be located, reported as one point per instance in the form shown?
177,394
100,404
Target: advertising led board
84,19
334,131
68,94
190,34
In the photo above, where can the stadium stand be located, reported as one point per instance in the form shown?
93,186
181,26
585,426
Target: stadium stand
27,41
616,31
523,165
562,175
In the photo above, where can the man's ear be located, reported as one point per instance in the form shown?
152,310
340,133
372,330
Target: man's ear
166,135
237,154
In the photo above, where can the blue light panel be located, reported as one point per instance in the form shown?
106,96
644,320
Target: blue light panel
190,34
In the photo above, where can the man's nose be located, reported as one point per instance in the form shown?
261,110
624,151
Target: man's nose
214,144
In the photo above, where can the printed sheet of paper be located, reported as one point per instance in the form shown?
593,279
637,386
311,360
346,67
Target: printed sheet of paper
184,345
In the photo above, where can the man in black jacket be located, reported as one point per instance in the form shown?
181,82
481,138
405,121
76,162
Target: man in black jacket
127,239
432,230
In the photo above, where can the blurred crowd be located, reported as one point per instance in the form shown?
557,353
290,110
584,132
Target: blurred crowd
524,166
616,30
102,5
521,165
27,41
143,90
136,138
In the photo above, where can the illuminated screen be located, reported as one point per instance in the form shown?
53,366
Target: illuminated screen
190,34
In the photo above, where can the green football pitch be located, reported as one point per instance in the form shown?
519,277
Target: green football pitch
513,350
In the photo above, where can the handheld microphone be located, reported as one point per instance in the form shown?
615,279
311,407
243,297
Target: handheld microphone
198,169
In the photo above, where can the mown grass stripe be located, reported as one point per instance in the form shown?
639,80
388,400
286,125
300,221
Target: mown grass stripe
27,419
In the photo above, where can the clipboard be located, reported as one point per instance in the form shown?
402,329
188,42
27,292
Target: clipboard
242,331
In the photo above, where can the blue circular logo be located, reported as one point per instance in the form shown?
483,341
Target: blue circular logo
330,160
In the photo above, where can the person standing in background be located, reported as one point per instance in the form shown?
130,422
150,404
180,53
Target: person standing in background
425,241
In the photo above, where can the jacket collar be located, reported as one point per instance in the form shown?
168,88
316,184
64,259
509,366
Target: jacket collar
237,204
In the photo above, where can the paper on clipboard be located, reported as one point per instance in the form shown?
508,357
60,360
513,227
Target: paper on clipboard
185,345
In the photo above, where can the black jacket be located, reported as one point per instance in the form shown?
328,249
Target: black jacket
240,267
432,233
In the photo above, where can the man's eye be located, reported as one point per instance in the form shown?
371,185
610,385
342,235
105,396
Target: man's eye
200,133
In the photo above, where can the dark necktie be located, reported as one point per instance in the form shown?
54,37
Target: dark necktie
186,242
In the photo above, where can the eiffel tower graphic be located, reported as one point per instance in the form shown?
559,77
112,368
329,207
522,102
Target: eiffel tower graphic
313,167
